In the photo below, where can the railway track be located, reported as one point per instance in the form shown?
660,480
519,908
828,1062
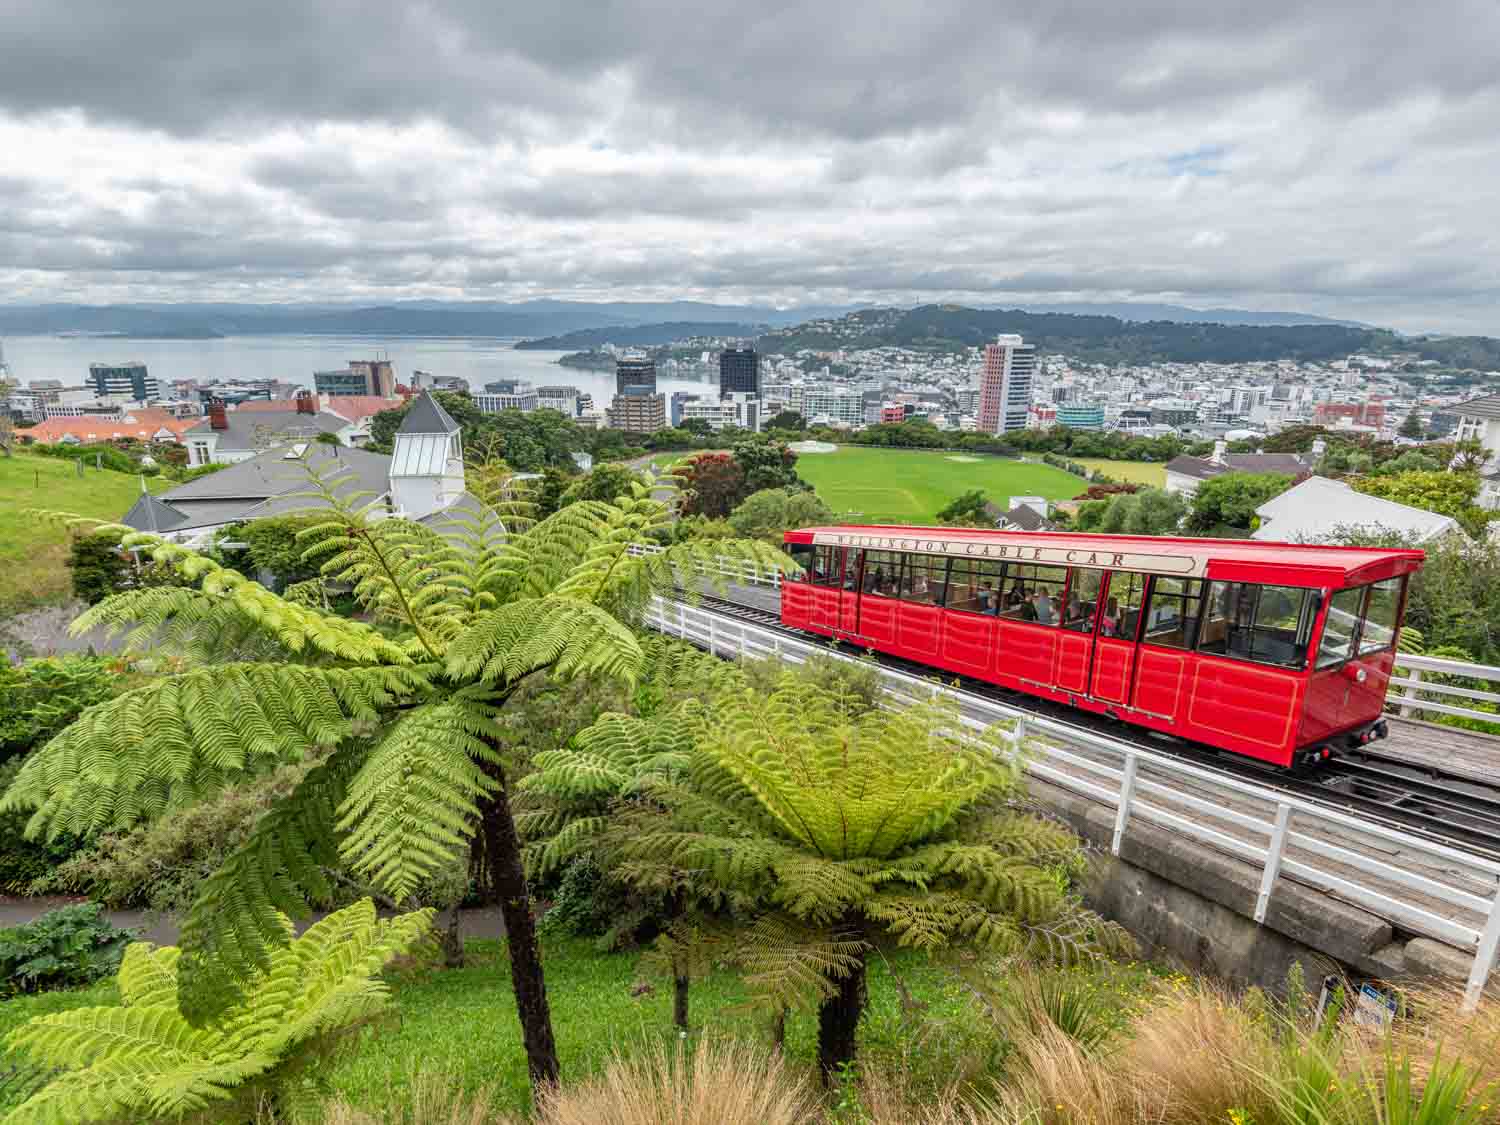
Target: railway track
1446,808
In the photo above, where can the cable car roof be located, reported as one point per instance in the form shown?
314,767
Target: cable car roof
1230,560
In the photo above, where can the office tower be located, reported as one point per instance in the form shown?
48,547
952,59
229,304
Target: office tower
634,371
379,375
739,371
1005,385
123,380
638,410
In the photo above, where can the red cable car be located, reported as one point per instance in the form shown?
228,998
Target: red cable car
1278,651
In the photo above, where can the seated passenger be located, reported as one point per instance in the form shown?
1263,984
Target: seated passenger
1109,624
1073,615
989,600
1041,603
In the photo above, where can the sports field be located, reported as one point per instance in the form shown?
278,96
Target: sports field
901,486
1152,473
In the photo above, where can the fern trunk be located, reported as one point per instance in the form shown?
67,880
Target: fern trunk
680,1001
838,1016
502,845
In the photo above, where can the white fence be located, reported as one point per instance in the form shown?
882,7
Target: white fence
1411,693
736,570
1440,892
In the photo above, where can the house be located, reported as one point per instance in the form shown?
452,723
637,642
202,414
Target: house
1026,513
423,479
1317,509
145,424
1479,420
1185,474
225,437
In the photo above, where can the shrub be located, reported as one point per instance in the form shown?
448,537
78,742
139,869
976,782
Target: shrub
64,948
142,1060
24,861
162,864
99,567
40,697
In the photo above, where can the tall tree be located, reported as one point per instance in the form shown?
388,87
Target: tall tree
404,722
1411,426
1225,504
766,463
967,510
772,511
713,485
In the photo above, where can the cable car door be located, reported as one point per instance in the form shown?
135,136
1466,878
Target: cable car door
828,588
854,560
1117,628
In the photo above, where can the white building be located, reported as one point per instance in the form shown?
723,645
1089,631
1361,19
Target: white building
564,400
738,408
1318,509
514,396
837,406
427,460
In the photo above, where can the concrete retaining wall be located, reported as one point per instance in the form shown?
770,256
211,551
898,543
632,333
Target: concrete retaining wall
1197,907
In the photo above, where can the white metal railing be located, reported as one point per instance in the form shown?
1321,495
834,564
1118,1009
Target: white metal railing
1280,832
1450,697
736,569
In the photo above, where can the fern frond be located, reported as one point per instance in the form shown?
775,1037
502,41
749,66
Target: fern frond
570,638
144,1061
413,804
789,964
181,738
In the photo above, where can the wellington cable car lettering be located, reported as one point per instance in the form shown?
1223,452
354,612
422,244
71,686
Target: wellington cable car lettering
1023,552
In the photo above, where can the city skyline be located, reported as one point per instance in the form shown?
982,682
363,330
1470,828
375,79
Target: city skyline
1336,159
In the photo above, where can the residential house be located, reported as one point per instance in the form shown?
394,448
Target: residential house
1319,509
225,437
147,424
1185,474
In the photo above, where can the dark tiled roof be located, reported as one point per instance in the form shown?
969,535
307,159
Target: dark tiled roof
150,514
1486,406
426,416
1202,468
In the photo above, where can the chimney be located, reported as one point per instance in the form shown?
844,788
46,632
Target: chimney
1219,447
217,418
306,404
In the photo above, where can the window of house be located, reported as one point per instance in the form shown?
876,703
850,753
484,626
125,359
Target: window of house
1172,616
1340,627
1034,593
1266,624
974,585
923,578
1121,613
1382,615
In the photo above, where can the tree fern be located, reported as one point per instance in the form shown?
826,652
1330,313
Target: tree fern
840,825
403,717
142,1060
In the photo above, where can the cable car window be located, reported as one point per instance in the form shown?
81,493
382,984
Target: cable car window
1340,627
882,572
922,579
1083,600
1381,616
1172,616
1266,624
1122,605
802,555
1034,593
851,568
974,585
828,567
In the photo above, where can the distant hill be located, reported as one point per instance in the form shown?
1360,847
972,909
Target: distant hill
641,335
1109,339
402,318
1180,314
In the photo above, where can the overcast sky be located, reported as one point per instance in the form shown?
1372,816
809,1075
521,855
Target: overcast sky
1340,157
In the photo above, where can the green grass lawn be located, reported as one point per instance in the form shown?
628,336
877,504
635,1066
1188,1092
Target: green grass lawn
909,486
460,1025
32,550
1153,473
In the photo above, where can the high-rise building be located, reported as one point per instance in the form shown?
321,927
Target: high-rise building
739,372
638,410
1081,416
1005,385
123,380
362,377
838,406
563,399
634,371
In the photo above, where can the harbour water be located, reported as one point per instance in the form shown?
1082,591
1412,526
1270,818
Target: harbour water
293,359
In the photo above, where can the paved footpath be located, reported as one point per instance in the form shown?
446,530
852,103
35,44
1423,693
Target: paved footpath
481,922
